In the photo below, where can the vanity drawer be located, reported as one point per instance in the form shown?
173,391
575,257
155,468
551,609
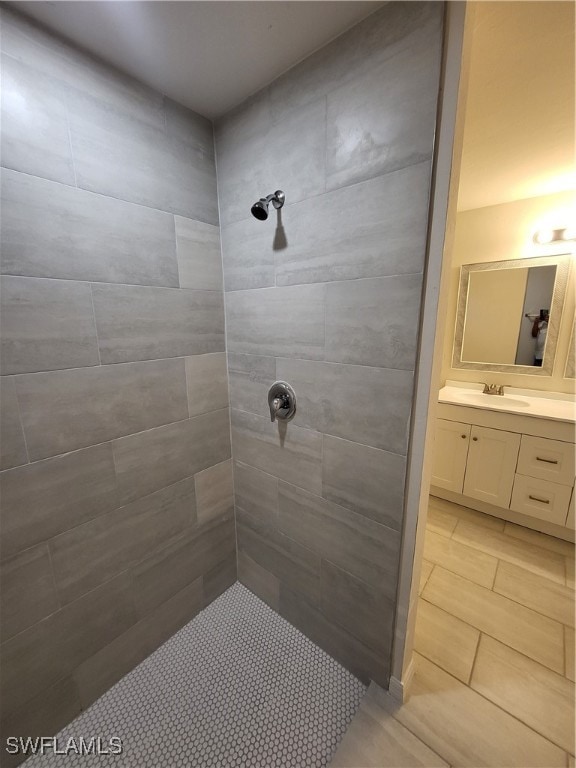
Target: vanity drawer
547,459
540,498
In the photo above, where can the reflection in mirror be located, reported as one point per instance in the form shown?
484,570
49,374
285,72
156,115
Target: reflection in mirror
506,315
509,313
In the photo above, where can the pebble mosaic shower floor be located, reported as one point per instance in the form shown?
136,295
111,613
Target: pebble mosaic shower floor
236,687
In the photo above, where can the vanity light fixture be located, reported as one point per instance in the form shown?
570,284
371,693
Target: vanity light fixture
546,236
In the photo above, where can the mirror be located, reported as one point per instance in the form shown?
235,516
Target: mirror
509,313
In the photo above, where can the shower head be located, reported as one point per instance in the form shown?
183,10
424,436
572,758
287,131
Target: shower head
260,209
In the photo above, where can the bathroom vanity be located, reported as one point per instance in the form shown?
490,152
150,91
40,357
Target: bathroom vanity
511,455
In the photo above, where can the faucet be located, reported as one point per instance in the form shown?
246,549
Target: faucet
493,389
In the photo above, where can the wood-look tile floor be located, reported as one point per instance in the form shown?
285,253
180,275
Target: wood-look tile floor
494,654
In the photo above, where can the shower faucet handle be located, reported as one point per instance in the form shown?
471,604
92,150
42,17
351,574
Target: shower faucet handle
281,401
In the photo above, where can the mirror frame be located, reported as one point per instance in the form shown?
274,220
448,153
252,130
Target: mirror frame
570,369
562,263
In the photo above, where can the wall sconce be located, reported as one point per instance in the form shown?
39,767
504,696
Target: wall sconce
547,236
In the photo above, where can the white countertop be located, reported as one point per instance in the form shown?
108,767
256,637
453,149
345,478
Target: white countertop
525,402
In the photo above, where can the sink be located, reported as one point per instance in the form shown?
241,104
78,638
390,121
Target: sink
548,405
498,401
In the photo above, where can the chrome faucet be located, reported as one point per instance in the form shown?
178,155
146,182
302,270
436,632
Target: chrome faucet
493,389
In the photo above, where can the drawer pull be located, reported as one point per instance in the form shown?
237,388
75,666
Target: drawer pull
548,461
542,501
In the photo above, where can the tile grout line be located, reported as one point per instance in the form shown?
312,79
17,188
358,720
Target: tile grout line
527,607
476,651
493,703
95,329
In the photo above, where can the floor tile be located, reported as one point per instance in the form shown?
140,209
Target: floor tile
498,544
440,521
551,543
538,697
445,640
237,686
547,597
425,572
465,513
569,563
461,559
465,728
569,651
376,740
521,628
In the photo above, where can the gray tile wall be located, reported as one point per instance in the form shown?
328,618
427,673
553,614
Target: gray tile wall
117,504
326,295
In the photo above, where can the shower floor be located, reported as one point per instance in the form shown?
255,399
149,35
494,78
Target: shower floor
237,686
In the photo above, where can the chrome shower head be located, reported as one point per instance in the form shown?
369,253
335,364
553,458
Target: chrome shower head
260,209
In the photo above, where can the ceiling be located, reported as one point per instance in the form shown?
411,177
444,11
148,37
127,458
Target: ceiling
209,56
519,114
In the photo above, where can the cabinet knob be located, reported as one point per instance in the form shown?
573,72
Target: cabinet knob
463,437
475,439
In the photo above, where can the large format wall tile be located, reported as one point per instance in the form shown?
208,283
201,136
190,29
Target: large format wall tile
287,155
386,119
222,575
28,591
362,610
46,325
250,378
104,285
214,492
12,446
187,126
137,323
360,546
248,251
48,712
273,321
35,137
366,405
292,563
94,552
326,295
283,450
44,653
374,322
257,494
65,410
50,230
391,29
207,383
335,640
183,560
258,580
118,155
43,499
199,259
102,670
159,457
367,230
366,480
24,40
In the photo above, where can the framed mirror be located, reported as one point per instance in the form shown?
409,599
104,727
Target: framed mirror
509,314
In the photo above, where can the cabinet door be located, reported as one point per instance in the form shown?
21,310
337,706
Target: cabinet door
491,465
450,452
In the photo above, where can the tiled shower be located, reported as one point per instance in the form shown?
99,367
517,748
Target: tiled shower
145,314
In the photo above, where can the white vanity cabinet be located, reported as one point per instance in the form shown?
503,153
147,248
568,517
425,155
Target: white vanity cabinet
516,467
